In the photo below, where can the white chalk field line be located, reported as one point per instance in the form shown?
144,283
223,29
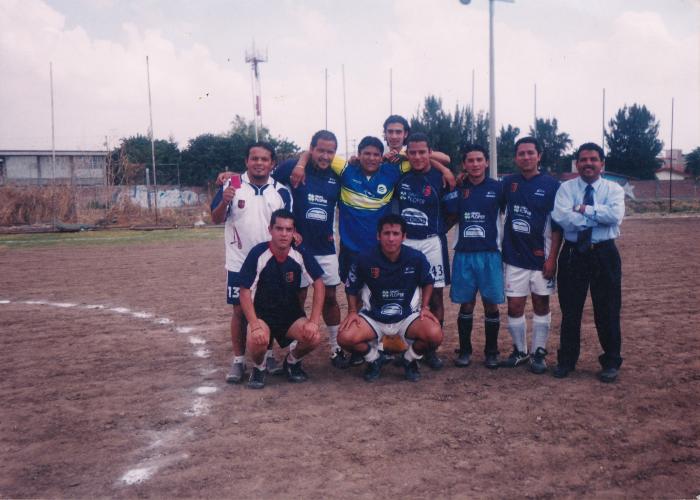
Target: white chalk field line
198,407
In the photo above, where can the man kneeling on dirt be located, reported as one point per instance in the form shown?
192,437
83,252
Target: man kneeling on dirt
270,281
398,278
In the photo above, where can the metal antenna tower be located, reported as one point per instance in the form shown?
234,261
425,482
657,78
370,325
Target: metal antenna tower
255,57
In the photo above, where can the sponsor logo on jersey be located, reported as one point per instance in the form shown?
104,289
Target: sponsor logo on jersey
331,180
474,232
317,198
381,189
374,272
465,193
427,191
409,270
491,194
540,192
241,203
521,226
514,187
317,214
391,310
414,217
538,252
289,276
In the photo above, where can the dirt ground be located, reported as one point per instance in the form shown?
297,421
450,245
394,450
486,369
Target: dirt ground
111,384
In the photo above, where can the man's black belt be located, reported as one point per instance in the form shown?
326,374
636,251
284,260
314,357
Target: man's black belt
592,246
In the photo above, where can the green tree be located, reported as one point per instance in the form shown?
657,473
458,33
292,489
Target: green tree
554,144
633,144
692,162
506,144
128,161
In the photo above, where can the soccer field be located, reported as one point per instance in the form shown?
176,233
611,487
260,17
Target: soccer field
115,345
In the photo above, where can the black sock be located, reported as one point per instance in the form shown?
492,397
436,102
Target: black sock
492,324
464,328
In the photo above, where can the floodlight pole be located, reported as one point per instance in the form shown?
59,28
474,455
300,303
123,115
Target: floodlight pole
53,152
493,150
670,164
153,147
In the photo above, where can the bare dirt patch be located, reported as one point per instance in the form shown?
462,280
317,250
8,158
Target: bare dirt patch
94,400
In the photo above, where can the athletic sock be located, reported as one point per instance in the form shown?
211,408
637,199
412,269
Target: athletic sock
333,337
464,329
260,366
372,354
411,355
492,323
291,360
380,346
540,330
239,359
516,327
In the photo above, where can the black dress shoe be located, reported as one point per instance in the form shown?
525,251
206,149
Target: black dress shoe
561,371
608,375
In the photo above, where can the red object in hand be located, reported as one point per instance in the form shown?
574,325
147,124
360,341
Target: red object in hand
235,181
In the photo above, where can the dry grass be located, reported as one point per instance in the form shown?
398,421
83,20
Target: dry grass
35,205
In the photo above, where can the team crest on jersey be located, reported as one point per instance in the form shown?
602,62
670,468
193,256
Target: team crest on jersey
374,272
514,187
241,203
289,276
381,189
465,193
427,191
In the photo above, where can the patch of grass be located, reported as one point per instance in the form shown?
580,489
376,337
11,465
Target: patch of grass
108,237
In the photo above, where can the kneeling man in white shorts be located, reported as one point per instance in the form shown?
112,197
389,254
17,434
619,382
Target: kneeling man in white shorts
400,285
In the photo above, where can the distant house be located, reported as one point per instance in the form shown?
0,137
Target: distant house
673,166
35,167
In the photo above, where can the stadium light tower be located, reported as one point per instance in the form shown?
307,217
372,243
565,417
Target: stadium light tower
493,150
255,58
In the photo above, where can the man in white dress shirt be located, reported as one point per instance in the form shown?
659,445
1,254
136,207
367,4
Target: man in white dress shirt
589,210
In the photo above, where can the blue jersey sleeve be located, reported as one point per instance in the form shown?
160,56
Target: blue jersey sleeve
284,170
286,197
354,282
311,264
425,278
249,269
451,201
217,198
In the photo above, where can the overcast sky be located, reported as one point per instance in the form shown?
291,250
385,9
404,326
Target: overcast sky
640,51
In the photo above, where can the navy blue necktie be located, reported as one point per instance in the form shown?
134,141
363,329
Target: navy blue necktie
583,243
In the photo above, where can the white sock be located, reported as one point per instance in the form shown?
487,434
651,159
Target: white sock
333,337
517,327
239,359
291,360
540,331
260,366
411,355
380,346
373,354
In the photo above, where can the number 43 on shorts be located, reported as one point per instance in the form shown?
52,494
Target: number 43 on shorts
437,272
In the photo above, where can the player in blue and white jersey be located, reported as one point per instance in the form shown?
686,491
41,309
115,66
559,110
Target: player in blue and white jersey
531,242
315,201
419,199
270,280
399,283
246,212
476,204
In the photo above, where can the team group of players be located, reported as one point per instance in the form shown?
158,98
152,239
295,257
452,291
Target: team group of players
395,208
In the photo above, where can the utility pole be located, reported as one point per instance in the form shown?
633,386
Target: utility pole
255,58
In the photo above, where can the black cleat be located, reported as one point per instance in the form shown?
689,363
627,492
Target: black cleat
373,369
463,359
608,375
491,361
340,360
411,370
537,363
356,359
433,361
295,373
257,379
516,358
561,371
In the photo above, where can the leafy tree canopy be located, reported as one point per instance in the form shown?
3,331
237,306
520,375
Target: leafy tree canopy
633,143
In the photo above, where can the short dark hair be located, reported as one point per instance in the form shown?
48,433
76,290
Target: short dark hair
397,119
391,219
323,135
370,141
528,140
261,144
281,213
471,147
418,137
591,146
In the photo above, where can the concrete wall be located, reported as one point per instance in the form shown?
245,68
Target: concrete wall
70,169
